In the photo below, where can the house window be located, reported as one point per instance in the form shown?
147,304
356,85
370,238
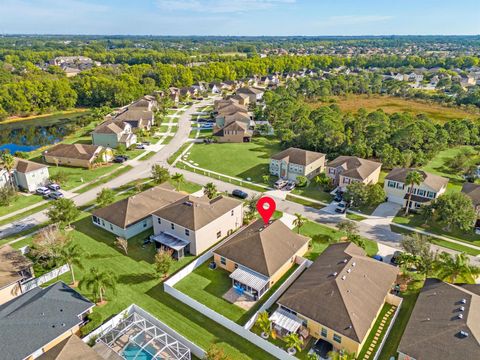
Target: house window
324,332
400,186
337,338
421,192
219,235
159,220
172,226
346,180
145,223
96,220
392,184
431,195
103,223
236,266
187,232
231,213
111,227
223,261
331,171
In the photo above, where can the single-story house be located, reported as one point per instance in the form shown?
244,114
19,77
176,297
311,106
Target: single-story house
338,298
114,133
38,320
294,162
444,324
29,175
193,224
14,270
397,189
259,255
131,216
77,155
73,348
345,170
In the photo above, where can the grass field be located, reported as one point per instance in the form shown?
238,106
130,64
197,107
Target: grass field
243,160
22,201
75,175
45,119
390,104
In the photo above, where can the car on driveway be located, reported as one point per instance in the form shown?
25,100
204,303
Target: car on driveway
55,195
338,196
290,185
43,190
239,193
146,143
321,348
54,187
120,159
341,207
280,183
140,147
395,256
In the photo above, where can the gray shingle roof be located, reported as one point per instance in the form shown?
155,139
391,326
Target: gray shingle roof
37,317
355,167
298,156
431,180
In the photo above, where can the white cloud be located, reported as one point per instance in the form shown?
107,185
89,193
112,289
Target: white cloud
220,6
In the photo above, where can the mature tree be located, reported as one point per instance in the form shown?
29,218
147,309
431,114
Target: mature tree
8,164
178,179
364,195
426,213
415,244
60,177
122,244
294,342
63,212
105,197
456,211
159,174
72,254
457,267
264,323
251,207
413,178
99,282
299,221
214,352
48,245
376,194
349,227
7,195
210,190
121,149
163,262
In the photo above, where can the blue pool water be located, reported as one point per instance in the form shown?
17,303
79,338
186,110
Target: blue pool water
131,352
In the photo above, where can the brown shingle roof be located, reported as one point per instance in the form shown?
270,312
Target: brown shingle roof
25,166
73,151
135,208
347,302
355,167
263,249
433,330
473,192
298,156
110,127
11,263
72,348
194,213
250,90
433,181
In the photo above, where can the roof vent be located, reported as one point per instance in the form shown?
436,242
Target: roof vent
344,277
354,263
460,316
462,308
463,334
463,301
188,203
345,260
335,273
349,271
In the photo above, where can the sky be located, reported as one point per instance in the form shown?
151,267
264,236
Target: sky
241,17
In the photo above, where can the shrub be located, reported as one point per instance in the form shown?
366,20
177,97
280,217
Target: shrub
302,181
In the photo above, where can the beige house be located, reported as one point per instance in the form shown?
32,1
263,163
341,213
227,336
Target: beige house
114,133
72,348
294,162
397,190
253,93
193,224
338,298
77,155
345,170
242,99
129,217
259,255
14,270
472,190
233,131
29,175
37,321
444,323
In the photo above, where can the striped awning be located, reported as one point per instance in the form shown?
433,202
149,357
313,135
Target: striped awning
249,278
286,320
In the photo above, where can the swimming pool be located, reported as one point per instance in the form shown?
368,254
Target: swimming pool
133,351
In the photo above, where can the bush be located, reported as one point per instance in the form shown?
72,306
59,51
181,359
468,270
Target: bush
302,181
94,321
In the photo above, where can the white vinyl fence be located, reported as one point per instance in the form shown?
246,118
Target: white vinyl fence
380,347
36,282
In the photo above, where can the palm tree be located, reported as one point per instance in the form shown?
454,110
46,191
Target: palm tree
98,282
8,164
450,268
413,178
349,227
72,255
294,342
264,324
341,355
299,221
210,190
178,179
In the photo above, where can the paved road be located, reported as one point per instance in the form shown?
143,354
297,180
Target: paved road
141,170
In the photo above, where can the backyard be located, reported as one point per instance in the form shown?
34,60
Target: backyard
243,160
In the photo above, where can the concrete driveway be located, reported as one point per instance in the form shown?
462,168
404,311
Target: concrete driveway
387,210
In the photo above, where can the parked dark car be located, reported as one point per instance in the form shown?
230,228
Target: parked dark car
338,196
54,187
140,146
54,195
341,207
290,186
395,256
120,159
322,348
239,193
147,143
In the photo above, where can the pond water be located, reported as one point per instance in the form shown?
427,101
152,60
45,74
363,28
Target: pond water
29,135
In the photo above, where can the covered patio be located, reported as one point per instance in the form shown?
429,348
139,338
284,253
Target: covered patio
247,282
166,241
285,323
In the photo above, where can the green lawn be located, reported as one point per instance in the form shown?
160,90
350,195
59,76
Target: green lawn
24,214
304,202
437,166
163,128
243,160
105,179
148,155
75,175
22,201
177,153
138,284
315,192
167,140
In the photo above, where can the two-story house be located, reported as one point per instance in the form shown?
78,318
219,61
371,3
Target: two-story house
253,93
193,224
114,133
337,299
398,190
28,175
472,190
345,170
294,162
15,269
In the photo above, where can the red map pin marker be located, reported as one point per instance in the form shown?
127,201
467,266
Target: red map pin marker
266,207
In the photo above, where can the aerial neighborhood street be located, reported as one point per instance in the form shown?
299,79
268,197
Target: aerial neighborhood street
238,197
